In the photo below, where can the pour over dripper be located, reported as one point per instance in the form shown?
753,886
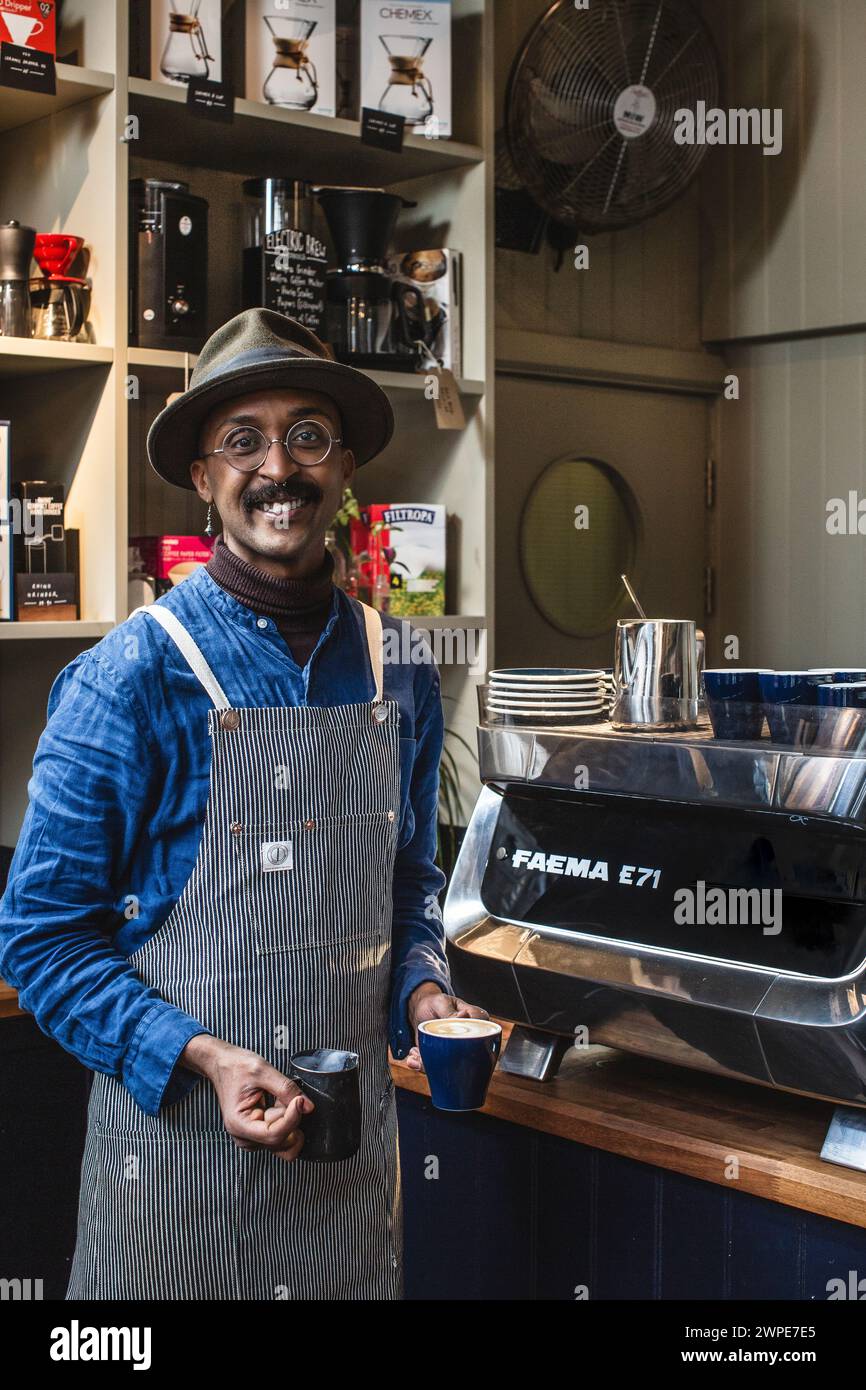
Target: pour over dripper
186,53
55,252
408,93
292,81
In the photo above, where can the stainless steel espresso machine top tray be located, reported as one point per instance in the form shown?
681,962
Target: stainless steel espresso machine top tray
669,894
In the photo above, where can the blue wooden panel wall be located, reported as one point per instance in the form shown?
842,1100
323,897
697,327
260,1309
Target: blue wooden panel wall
518,1215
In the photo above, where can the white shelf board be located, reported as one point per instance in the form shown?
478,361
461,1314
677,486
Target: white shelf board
457,622
74,85
321,148
76,632
389,381
28,356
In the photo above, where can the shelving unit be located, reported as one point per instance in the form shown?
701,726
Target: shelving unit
80,411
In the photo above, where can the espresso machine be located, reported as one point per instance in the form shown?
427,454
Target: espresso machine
565,910
361,306
168,265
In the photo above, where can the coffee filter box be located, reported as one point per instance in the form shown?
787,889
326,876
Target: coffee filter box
191,47
291,54
28,23
406,62
408,553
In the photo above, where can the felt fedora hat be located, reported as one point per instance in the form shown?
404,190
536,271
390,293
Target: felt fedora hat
261,350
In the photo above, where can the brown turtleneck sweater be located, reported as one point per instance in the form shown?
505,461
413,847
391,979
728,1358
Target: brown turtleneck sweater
299,607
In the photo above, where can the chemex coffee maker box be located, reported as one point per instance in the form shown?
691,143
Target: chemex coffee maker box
406,63
291,54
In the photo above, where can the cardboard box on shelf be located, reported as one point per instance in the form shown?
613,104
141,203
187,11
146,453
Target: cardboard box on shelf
406,63
29,23
167,560
291,54
185,45
437,279
406,557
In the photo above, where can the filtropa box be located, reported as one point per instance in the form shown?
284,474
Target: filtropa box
29,23
404,545
406,63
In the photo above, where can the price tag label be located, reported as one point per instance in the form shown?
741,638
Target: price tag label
215,101
27,69
380,128
446,399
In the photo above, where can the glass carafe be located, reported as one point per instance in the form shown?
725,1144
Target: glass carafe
186,53
292,81
408,93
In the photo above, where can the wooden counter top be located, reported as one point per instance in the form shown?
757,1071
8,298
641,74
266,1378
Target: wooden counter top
688,1121
9,1001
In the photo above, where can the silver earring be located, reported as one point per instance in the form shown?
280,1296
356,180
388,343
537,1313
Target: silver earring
208,530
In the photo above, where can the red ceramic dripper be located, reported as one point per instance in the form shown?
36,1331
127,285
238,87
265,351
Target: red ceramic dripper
55,252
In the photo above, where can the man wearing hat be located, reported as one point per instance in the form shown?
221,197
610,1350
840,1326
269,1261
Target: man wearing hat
227,863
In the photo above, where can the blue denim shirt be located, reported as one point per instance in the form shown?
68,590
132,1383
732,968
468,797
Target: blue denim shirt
117,806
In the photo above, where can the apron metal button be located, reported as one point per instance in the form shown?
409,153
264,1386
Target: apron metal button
390,815
308,824
380,713
229,719
236,828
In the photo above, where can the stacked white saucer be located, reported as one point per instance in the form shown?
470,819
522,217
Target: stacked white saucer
549,694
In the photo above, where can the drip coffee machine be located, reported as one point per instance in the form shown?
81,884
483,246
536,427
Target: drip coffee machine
16,253
61,301
360,292
408,93
292,81
186,52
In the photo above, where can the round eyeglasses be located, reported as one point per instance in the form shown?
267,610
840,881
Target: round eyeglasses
308,442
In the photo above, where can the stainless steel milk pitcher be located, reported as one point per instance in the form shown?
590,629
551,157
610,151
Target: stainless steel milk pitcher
655,674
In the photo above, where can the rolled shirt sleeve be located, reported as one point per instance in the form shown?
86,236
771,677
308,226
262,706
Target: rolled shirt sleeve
418,935
96,772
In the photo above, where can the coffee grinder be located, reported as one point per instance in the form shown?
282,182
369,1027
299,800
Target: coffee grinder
16,253
168,265
360,304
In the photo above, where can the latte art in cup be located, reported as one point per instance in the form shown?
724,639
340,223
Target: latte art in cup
460,1027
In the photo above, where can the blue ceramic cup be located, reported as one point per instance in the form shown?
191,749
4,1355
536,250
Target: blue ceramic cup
852,677
733,697
459,1056
789,696
844,695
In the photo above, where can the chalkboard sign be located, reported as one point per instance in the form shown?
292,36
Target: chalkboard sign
288,274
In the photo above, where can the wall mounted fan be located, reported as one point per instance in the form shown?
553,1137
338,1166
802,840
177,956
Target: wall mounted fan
591,104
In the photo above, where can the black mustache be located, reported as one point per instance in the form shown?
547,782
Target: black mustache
299,490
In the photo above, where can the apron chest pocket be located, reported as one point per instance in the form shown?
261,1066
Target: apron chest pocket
318,882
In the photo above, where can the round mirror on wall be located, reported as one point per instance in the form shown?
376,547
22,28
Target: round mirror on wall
578,533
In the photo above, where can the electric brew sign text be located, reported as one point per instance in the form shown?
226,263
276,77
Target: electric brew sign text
569,866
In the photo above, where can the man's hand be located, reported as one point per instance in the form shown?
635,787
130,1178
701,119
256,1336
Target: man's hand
242,1080
429,1001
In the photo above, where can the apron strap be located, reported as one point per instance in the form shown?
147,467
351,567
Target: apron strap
188,648
375,643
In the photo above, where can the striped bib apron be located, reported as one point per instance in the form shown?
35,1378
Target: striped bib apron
280,943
